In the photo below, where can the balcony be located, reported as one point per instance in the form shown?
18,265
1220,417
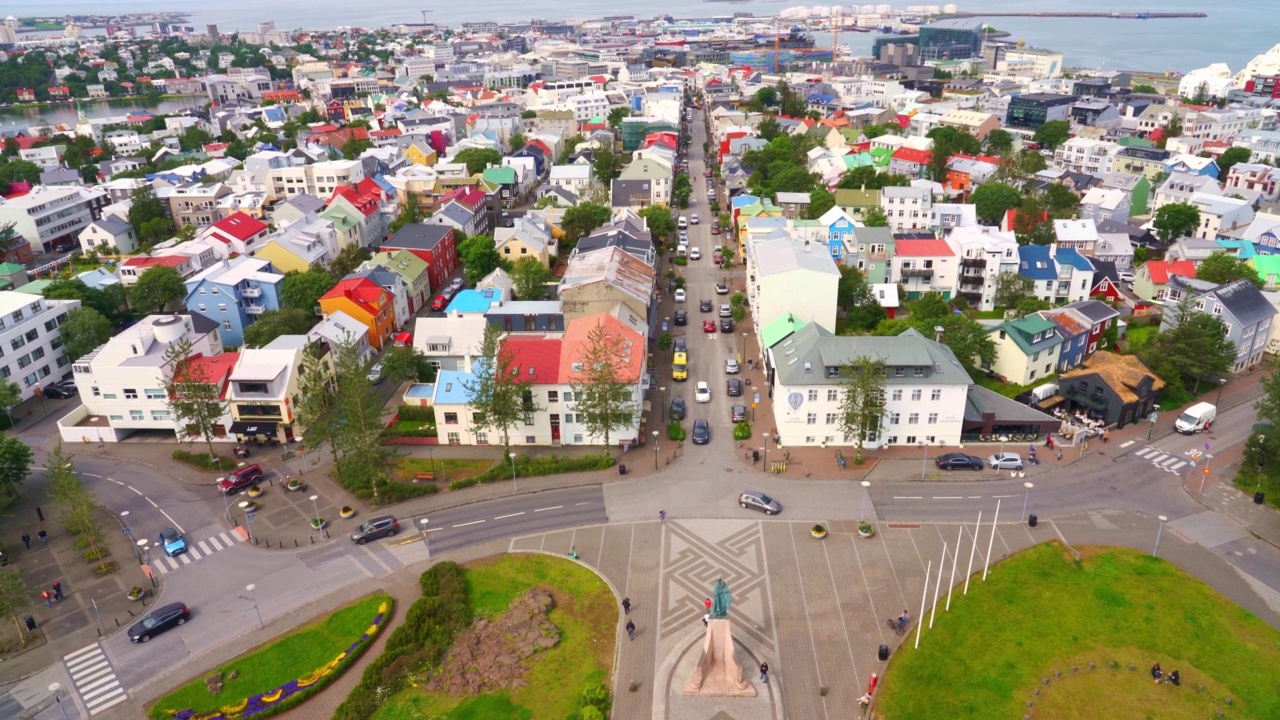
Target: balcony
917,272
254,309
973,297
973,262
251,292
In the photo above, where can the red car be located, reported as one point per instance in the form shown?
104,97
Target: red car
241,479
438,303
719,259
709,326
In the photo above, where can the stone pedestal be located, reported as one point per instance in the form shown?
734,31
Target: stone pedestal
718,672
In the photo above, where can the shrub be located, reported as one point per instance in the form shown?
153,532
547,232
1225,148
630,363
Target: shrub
535,466
680,261
675,431
96,554
742,431
595,697
416,412
203,461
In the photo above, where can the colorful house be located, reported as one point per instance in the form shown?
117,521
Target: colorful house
364,300
1152,278
437,245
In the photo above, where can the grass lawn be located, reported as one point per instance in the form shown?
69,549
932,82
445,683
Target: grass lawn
997,314
296,655
449,469
586,614
1041,612
1009,390
1140,337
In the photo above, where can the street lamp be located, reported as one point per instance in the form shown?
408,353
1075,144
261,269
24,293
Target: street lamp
663,399
314,506
128,532
1163,520
515,488
248,519
1222,382
254,598
655,450
866,488
1026,498
425,541
146,559
1204,474
924,455
1003,439
55,688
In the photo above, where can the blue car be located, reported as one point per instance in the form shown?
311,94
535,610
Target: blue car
172,542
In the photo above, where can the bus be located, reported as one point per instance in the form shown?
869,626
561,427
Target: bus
680,366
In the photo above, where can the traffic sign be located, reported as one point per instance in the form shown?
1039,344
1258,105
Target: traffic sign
251,516
124,531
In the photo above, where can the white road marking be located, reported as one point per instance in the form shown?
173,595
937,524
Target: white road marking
908,497
194,553
947,497
1177,467
94,679
185,559
153,502
175,522
999,497
116,482
1127,444
581,503
214,542
1170,461
473,522
504,517
90,475
557,507
136,490
975,497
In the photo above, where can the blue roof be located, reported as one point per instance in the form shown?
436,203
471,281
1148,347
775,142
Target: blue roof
819,98
475,301
744,200
451,387
1072,257
1243,249
381,180
1035,263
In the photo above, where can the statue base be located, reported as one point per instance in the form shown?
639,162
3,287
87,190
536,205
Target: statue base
718,673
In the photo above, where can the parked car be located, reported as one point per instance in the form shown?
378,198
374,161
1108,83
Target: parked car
60,390
738,413
439,303
679,295
1005,461
708,326
680,345
726,310
172,542
733,387
701,432
456,284
702,392
375,373
693,219
240,479
159,620
374,528
722,289
695,254
731,366
677,411
958,461
726,325
682,317
704,305
759,501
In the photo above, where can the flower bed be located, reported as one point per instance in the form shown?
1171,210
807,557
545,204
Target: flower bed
286,695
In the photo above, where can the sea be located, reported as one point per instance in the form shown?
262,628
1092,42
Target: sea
1233,32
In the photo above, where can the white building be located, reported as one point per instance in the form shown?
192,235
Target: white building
48,215
907,208
789,276
985,253
319,179
31,353
1086,155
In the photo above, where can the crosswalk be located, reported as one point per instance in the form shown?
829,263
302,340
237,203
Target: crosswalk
195,550
1168,462
94,679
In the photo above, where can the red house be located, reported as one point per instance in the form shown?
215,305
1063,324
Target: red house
26,95
435,244
59,91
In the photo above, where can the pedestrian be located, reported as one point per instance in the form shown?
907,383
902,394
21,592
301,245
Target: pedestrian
26,540
662,516
626,605
57,590
1175,678
631,630
46,597
903,619
764,673
706,619
44,537
1059,454
707,602
1155,673
1106,435
1086,446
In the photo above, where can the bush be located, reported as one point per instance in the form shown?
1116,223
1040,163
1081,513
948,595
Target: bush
675,431
416,412
535,466
203,461
682,261
595,697
96,554
742,431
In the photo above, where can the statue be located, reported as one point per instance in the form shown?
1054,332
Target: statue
721,599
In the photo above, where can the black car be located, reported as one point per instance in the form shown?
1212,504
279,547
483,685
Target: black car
704,305
701,432
958,461
380,526
677,410
679,345
733,387
682,317
739,413
60,391
726,325
159,620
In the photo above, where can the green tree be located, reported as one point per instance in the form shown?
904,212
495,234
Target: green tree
617,115
1011,289
363,460
15,597
993,199
1222,268
410,214
947,142
500,397
875,217
1175,220
868,177
317,389
83,330
1192,345
479,257
1268,405
274,323
155,231
1232,157
1032,224
767,97
1052,134
769,128
143,207
606,165
1060,201
349,258
17,171
516,142
580,220
10,397
303,290
477,159
861,401
1144,89
15,464
353,147
529,278
195,399
820,201
658,219
402,363
999,141
156,289
605,399
528,114
854,298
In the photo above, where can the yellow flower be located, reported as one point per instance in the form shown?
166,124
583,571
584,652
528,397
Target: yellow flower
383,607
373,630
272,696
231,711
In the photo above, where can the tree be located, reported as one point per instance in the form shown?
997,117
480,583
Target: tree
195,398
658,219
357,408
10,397
1232,157
999,141
83,330
604,398
949,141
154,231
993,200
769,128
861,401
274,323
606,165
317,389
516,142
144,206
1012,288
17,171
354,146
853,296
1052,134
410,214
1144,89
1032,224
402,363
500,397
875,217
528,114
1222,268
479,257
868,177
15,597
477,159
303,290
580,220
1268,406
349,258
1191,345
109,302
1175,220
529,278
1060,201
820,201
617,115
15,464
156,289
767,97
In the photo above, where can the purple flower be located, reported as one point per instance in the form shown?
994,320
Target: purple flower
377,619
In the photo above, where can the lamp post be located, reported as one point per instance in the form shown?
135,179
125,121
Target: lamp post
254,598
866,489
515,488
663,399
655,450
314,506
128,532
1003,439
56,688
1204,474
1026,498
226,502
1163,520
924,455
1152,429
146,558
248,519
1222,382
425,541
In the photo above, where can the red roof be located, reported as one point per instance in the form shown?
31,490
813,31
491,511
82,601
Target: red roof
599,79
365,293
27,142
215,369
1161,270
912,155
466,195
535,359
389,132
173,261
910,247
366,196
240,225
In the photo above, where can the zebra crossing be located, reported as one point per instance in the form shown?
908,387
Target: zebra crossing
1168,462
195,550
94,678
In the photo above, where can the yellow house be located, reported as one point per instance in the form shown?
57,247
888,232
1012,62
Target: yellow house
284,257
526,238
420,154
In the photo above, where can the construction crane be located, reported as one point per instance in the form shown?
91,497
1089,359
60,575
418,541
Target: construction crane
777,42
424,16
836,24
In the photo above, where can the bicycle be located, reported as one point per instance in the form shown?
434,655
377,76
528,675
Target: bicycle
901,629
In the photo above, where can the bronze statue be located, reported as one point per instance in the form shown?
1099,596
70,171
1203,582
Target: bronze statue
721,599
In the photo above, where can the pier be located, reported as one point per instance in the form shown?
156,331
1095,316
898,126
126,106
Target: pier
1110,15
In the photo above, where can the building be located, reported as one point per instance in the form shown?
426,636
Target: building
1026,350
956,39
1246,313
1152,277
194,203
793,278
985,254
437,245
33,357
1030,111
110,235
48,217
233,293
907,208
1115,389
340,329
451,342
921,266
263,392
366,302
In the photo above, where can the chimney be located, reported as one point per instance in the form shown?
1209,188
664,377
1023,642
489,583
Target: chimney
937,333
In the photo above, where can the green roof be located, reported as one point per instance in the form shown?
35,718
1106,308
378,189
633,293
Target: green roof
881,156
500,175
1266,265
778,330
863,159
1135,142
1025,328
35,287
11,268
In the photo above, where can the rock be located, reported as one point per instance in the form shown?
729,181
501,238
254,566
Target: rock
490,654
214,678
215,688
1092,666
233,675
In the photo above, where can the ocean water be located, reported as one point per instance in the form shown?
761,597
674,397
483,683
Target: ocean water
1233,33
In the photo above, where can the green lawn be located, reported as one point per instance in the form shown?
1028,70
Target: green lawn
1009,390
1140,337
1041,612
585,612
449,469
296,655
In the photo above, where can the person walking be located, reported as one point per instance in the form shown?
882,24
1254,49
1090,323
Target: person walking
631,630
764,673
46,597
903,619
44,537
626,606
1106,435
707,602
662,516
26,540
57,591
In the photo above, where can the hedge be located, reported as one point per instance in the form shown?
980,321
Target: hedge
535,466
427,633
203,461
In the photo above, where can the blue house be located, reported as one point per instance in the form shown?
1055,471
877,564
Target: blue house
538,155
1037,265
475,302
839,232
234,293
1192,165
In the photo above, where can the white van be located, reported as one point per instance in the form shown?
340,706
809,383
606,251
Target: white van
1196,418
682,223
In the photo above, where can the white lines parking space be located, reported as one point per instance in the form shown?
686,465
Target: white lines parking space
1168,462
94,679
196,549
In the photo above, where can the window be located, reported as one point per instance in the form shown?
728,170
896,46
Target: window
135,415
482,438
933,418
132,394
226,325
916,395
897,395
813,396
222,307
96,391
568,418
18,342
214,290
24,361
894,418
918,372
155,394
161,415
451,418
1217,308
833,395
913,419
201,306
911,439
899,372
108,396
454,438
833,418
811,419
528,418
568,396
935,395
553,396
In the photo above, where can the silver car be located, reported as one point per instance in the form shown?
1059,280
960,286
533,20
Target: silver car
759,501
731,366
1005,461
